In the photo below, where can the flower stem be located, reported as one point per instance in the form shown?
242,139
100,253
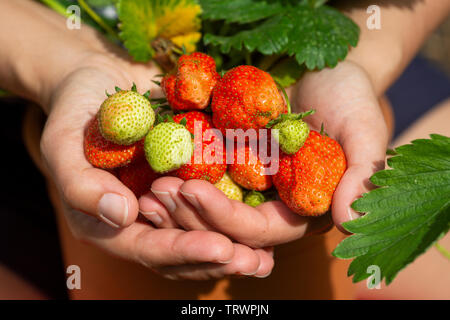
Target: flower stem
98,19
442,250
56,6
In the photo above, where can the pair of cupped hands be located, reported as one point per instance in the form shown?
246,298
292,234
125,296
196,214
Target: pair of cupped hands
196,231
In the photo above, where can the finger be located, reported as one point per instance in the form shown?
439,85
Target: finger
365,155
152,209
269,224
167,190
266,262
245,262
153,248
93,191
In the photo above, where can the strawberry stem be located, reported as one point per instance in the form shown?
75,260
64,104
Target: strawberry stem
285,96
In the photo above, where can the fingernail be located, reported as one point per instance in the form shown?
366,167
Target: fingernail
166,199
352,214
153,217
192,198
223,262
263,276
113,209
246,274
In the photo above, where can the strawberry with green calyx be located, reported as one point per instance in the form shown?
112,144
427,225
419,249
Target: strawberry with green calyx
104,154
138,177
126,116
230,188
201,169
246,98
290,131
190,86
168,146
306,180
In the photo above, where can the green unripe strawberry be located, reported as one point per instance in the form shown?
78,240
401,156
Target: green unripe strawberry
254,198
291,131
168,146
290,135
125,117
230,188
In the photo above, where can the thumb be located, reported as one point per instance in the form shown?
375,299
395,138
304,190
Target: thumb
365,153
90,190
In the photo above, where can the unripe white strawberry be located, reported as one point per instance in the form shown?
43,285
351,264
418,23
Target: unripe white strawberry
168,146
125,117
230,188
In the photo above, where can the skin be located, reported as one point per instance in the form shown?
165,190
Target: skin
193,222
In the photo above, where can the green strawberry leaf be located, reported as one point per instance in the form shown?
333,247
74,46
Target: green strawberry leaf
287,72
316,3
135,35
406,215
269,37
314,34
323,38
240,11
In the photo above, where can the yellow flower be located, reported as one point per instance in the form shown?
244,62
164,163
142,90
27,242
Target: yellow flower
178,20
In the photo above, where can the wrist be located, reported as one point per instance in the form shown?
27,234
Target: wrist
380,53
43,50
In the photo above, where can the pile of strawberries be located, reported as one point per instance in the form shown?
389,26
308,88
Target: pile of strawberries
187,135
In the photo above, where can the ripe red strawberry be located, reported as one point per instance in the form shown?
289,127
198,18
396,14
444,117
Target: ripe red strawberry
249,172
307,179
246,97
138,177
211,172
191,117
191,86
104,154
168,86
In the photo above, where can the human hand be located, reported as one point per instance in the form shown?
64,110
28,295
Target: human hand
92,194
346,104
